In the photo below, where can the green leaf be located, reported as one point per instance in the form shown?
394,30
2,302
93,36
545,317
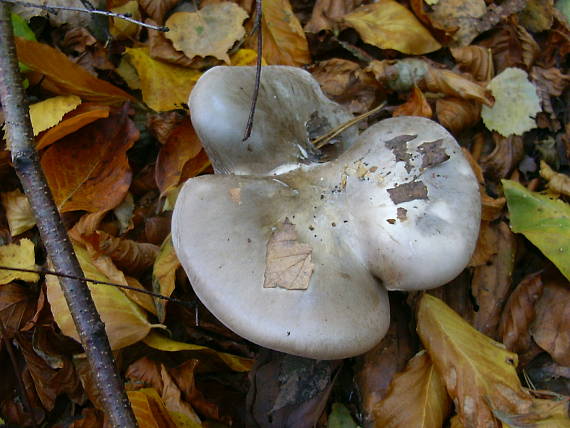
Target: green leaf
340,417
22,29
544,221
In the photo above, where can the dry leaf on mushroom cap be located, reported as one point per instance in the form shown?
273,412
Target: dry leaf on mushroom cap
300,226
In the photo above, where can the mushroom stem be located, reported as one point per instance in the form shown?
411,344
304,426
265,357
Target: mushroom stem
324,139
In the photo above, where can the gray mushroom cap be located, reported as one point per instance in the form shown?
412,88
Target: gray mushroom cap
290,103
401,205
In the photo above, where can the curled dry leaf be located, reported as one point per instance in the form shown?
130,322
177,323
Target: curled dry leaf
180,410
17,307
89,169
161,49
49,112
550,328
346,83
450,83
210,31
519,313
557,182
416,105
512,46
475,60
506,155
549,82
157,9
70,18
456,114
389,25
416,398
149,409
18,212
20,255
327,13
480,375
492,282
164,86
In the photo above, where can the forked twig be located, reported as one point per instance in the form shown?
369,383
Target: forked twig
257,25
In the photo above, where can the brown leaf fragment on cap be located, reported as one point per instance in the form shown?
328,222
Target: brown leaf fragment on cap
408,192
399,148
288,262
402,214
432,153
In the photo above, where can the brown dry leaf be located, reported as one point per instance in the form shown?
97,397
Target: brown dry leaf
164,275
164,86
506,155
456,114
288,262
72,18
519,313
480,375
475,60
550,328
512,46
149,409
82,116
62,76
327,13
161,125
125,322
89,170
210,31
20,255
538,15
491,208
346,83
181,146
486,245
157,9
18,212
492,282
416,105
284,41
160,48
180,411
557,182
450,83
193,167
389,25
48,113
549,82
17,307
416,398
457,17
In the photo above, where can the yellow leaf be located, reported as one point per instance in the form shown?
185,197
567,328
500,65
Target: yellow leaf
18,212
125,322
164,86
20,255
163,343
284,41
149,409
416,397
164,274
479,373
121,29
389,25
48,113
210,31
245,57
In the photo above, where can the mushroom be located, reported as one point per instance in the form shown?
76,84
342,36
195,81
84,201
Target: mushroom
300,261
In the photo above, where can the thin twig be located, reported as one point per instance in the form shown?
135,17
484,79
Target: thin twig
54,9
324,139
257,25
96,281
20,382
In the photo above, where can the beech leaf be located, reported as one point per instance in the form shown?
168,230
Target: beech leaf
18,212
150,411
48,113
479,373
543,221
210,31
389,25
164,274
20,255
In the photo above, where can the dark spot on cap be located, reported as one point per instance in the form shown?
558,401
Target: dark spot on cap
391,220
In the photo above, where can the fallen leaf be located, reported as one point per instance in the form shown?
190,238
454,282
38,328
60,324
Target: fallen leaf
288,262
542,220
550,328
71,18
163,343
124,214
416,105
82,116
161,49
210,31
340,417
544,414
519,312
157,9
62,76
164,275
181,146
504,157
516,103
125,322
416,398
48,113
164,86
17,307
480,375
89,170
20,255
512,46
456,114
549,82
284,41
476,60
557,182
486,245
121,29
18,212
327,14
389,25
538,15
245,57
149,409
180,411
